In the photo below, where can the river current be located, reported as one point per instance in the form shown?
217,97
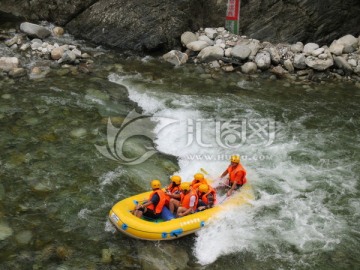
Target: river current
72,145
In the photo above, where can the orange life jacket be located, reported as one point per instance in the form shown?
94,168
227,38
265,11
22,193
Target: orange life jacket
158,208
172,189
204,197
195,184
185,199
237,174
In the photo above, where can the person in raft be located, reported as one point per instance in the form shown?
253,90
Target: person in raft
198,180
237,174
188,201
153,207
207,197
173,191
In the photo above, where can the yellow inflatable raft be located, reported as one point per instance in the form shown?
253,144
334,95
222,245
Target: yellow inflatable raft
133,226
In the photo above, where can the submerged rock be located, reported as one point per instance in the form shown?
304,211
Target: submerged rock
176,57
8,63
24,237
5,230
78,133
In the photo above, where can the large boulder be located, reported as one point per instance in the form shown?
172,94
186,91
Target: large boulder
311,21
34,30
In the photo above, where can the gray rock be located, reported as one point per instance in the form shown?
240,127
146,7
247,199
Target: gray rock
57,53
17,72
323,56
279,71
197,46
275,56
352,62
211,53
341,62
310,47
263,60
248,68
299,61
25,46
176,57
297,48
317,52
12,41
319,64
348,49
211,33
34,30
67,57
254,46
206,39
77,52
348,40
336,48
58,31
289,66
8,63
187,37
241,51
35,45
228,52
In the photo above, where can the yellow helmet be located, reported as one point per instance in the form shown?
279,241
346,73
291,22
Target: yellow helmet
235,159
203,188
198,176
176,179
185,186
155,184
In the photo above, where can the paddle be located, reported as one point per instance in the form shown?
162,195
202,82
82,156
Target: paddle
218,180
214,179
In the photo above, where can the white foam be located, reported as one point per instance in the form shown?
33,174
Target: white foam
289,209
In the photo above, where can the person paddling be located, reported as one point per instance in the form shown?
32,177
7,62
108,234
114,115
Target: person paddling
237,174
153,207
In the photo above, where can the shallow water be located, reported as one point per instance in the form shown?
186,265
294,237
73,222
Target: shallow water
62,166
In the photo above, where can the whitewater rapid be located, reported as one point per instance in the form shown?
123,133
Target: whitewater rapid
289,171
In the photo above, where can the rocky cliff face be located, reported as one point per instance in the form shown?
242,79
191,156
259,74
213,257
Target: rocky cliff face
157,24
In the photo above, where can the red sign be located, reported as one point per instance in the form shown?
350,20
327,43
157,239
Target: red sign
233,10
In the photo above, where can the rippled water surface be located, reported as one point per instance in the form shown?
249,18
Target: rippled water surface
298,141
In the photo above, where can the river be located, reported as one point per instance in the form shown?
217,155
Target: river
67,156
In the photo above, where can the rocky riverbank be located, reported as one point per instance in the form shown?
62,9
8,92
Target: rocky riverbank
34,50
216,48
